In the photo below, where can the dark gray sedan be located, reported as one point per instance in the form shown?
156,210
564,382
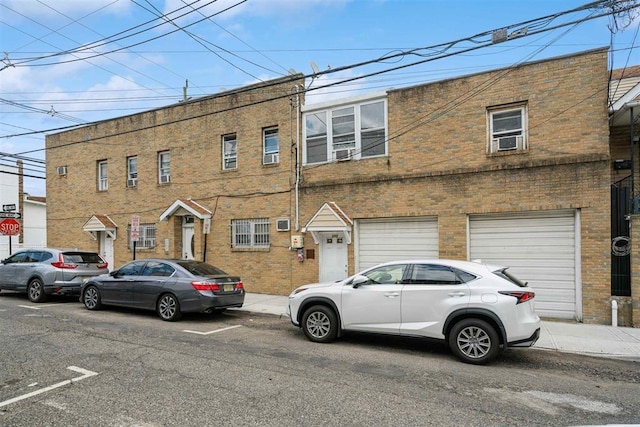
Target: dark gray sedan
168,286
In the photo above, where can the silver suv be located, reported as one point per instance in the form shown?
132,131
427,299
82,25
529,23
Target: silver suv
44,272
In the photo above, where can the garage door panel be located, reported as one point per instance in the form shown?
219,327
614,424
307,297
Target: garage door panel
396,239
539,248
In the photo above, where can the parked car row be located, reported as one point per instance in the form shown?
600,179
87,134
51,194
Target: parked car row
478,309
170,287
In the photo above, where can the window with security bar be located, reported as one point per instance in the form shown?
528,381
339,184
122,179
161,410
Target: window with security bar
250,233
146,239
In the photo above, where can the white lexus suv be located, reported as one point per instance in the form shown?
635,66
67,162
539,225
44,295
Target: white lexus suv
477,308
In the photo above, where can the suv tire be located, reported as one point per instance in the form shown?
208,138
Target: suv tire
474,341
320,324
35,291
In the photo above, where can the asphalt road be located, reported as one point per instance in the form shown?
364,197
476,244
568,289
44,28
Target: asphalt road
62,365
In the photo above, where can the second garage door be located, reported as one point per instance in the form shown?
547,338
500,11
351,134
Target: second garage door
539,248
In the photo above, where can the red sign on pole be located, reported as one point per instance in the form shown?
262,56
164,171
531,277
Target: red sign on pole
9,227
135,228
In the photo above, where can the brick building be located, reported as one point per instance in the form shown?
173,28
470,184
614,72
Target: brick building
510,166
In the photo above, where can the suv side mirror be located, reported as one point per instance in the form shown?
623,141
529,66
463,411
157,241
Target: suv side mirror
359,280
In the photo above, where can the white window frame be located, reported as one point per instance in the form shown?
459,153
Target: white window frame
146,239
103,181
510,139
164,167
342,130
229,151
250,233
132,171
270,156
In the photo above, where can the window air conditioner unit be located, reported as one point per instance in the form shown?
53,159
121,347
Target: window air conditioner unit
270,159
507,143
62,170
165,178
132,182
283,224
343,155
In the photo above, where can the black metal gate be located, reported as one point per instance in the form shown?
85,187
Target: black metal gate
621,206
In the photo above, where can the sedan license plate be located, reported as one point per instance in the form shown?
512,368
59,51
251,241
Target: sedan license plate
227,288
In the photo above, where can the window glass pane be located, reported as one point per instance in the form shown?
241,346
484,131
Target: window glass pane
372,116
507,121
316,124
316,150
343,123
373,143
428,274
271,144
200,268
390,274
133,269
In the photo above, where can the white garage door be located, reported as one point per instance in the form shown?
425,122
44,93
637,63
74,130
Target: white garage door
388,240
540,248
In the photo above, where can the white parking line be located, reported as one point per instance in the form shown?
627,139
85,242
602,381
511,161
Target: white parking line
85,374
30,307
211,332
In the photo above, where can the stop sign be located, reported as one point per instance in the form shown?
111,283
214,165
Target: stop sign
9,227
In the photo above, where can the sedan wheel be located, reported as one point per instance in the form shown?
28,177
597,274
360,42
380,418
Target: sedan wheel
169,308
35,291
474,341
91,298
320,324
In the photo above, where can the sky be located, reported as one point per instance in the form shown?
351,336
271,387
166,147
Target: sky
69,62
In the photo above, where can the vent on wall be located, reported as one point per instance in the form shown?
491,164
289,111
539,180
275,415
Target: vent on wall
62,170
283,224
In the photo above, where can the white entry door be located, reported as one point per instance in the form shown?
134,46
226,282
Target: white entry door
106,249
333,257
188,237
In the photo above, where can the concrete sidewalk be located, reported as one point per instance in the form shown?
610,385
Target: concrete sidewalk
561,336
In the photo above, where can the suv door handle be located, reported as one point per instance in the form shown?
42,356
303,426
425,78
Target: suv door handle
392,294
457,294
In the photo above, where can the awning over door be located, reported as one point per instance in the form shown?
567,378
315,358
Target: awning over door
98,223
186,207
329,218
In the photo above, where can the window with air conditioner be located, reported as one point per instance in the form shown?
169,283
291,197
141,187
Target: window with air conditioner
283,224
103,183
229,152
132,171
270,146
508,129
356,131
164,167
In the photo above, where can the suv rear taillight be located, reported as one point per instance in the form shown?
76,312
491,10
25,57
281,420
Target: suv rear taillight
521,296
103,265
61,264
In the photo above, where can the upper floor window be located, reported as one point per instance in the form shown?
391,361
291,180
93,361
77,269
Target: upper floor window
250,233
229,152
270,146
164,167
507,128
132,171
344,133
103,183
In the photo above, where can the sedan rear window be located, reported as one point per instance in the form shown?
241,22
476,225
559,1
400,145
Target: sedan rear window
201,268
510,277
